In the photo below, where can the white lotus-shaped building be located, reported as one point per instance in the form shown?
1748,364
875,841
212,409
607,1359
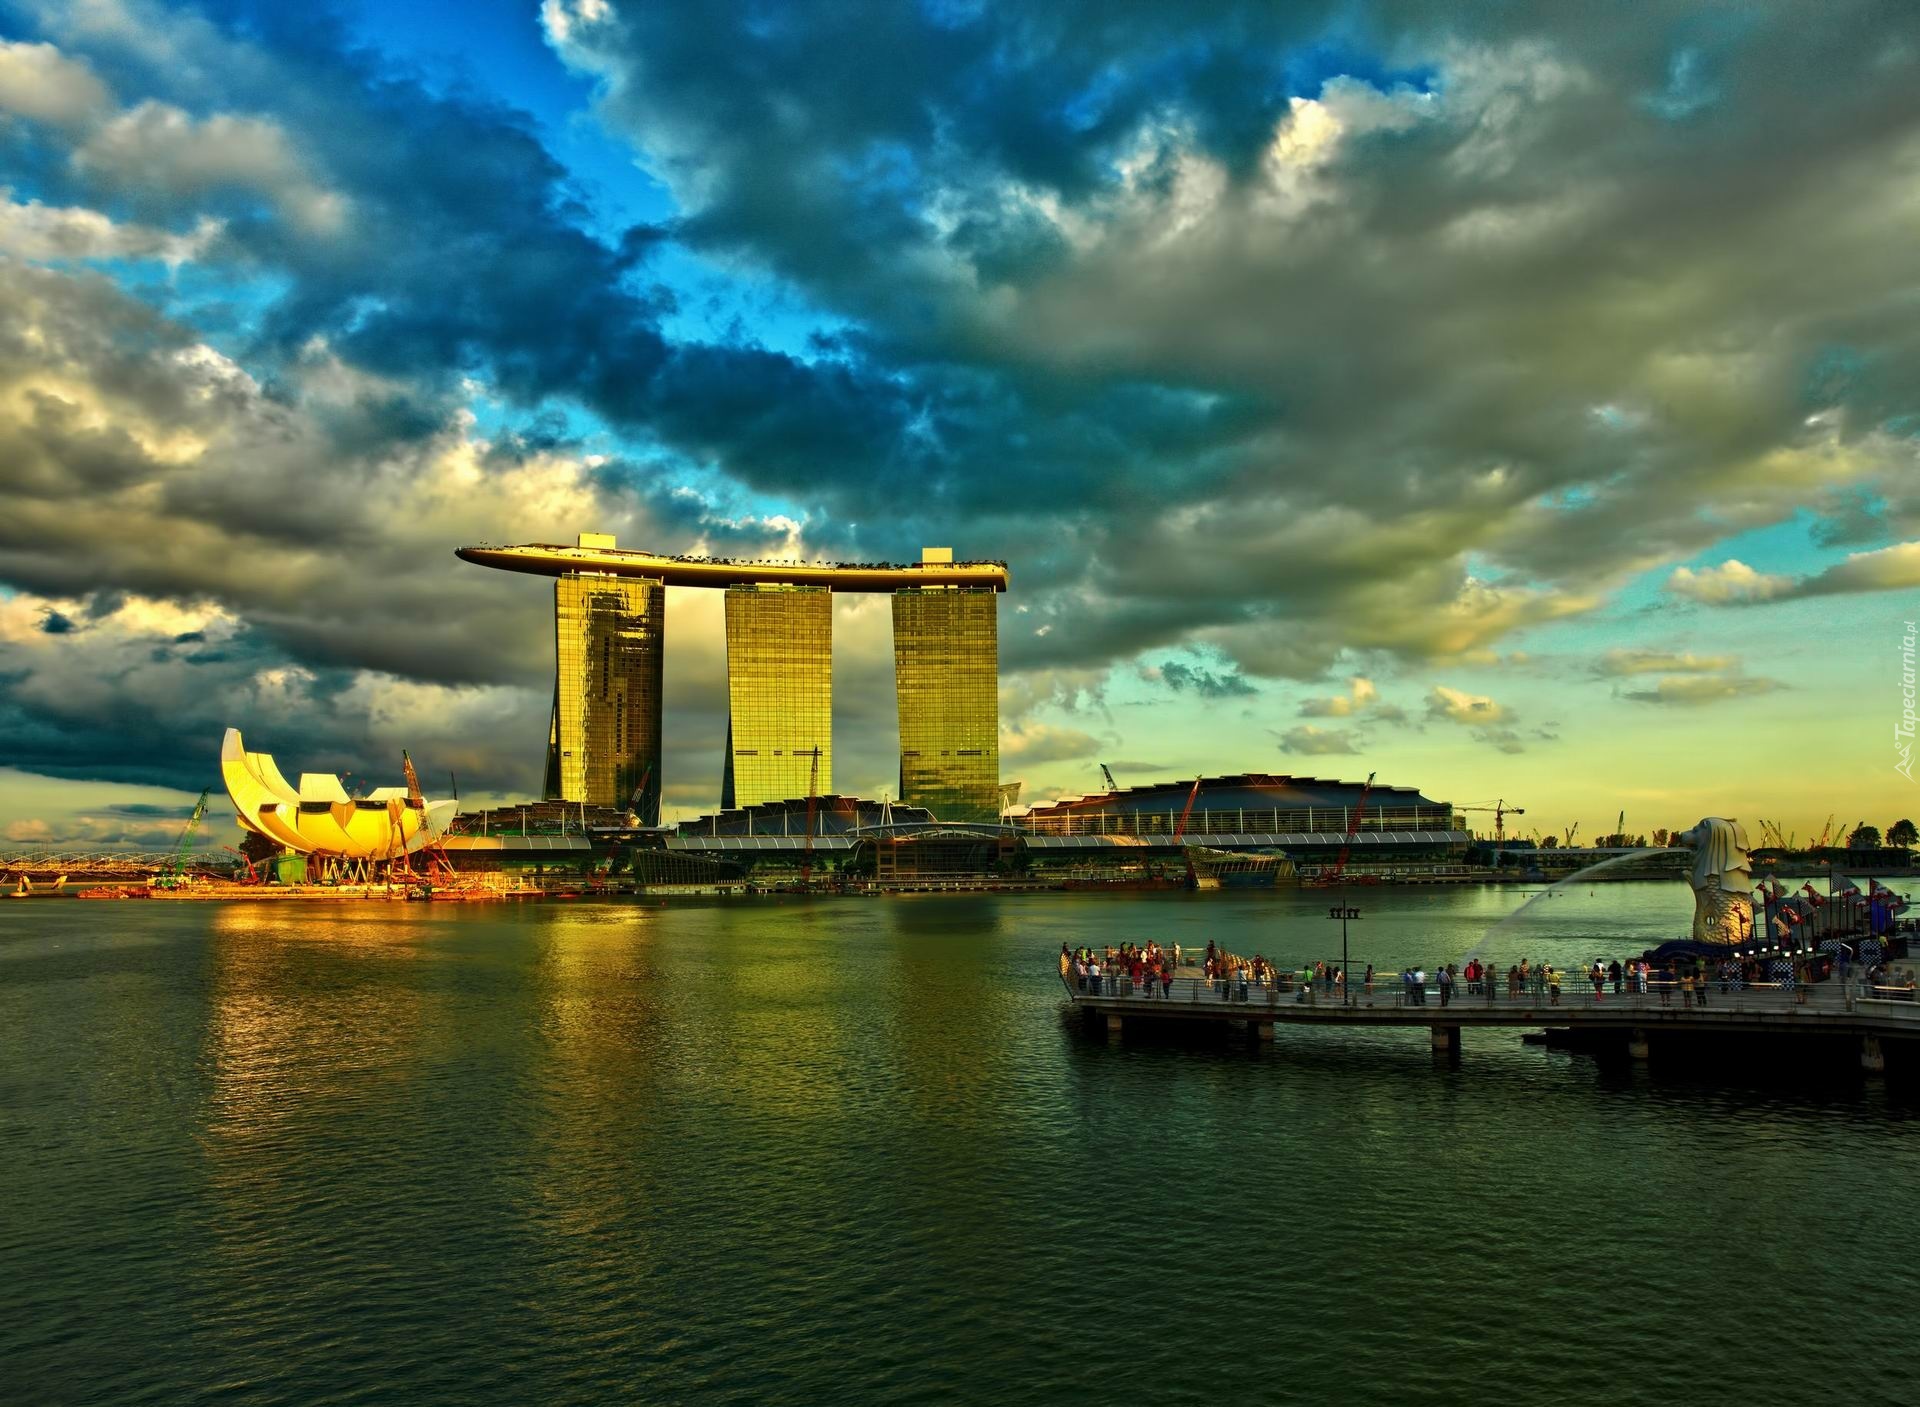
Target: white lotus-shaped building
320,818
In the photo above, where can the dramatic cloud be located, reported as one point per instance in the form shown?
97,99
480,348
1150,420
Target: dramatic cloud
1489,722
1457,706
1360,696
1697,689
1731,582
1308,740
156,149
1627,662
1207,683
35,231
1894,568
1266,342
1246,236
37,81
1035,743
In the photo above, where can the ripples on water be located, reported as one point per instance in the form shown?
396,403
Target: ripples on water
853,1150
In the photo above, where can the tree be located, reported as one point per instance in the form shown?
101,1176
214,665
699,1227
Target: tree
1864,838
1901,832
1551,842
1662,838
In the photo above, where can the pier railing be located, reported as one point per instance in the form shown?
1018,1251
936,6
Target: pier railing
1215,994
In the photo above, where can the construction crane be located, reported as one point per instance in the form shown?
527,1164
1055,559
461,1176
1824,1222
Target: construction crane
1181,829
639,791
813,802
1570,832
1500,811
174,873
1825,831
1353,828
1620,830
438,865
253,875
1107,772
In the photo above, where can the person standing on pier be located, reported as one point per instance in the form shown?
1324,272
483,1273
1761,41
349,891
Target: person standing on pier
1613,971
1553,983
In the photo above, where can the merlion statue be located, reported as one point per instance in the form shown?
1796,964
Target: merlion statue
1722,908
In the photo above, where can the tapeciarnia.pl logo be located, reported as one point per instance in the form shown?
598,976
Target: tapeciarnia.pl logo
1903,730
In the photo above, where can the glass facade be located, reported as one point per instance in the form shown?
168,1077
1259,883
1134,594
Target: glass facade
609,637
779,693
946,673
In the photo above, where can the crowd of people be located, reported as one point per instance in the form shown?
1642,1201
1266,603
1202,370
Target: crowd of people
1131,969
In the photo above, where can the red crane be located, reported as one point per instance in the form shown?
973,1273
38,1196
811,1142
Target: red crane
253,875
1353,827
1181,829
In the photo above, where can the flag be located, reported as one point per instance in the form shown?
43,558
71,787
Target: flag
1897,902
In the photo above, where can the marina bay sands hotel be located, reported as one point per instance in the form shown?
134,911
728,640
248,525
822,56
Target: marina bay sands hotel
610,613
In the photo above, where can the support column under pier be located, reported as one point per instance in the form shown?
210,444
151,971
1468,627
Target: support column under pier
1637,1044
1446,1038
1872,1058
1114,1024
1263,1030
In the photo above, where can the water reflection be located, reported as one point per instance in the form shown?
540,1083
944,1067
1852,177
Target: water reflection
810,1150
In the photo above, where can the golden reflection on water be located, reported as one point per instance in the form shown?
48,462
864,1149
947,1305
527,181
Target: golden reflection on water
595,999
306,1054
770,1013
289,1025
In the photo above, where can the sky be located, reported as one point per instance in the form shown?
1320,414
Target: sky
1516,400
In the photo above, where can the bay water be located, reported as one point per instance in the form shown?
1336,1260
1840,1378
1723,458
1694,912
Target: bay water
859,1150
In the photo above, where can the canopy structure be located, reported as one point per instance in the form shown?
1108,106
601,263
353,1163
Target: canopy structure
318,817
597,554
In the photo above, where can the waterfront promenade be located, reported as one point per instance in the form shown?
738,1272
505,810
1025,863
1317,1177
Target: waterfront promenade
1834,1010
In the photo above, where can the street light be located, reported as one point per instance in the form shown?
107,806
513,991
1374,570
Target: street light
1343,913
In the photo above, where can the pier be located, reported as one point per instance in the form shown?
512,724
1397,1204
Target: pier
1871,1017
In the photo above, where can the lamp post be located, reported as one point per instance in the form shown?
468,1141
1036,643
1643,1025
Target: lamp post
1343,912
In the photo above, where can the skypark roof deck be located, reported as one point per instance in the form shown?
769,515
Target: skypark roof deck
594,554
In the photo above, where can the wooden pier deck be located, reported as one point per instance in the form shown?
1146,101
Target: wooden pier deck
1834,1010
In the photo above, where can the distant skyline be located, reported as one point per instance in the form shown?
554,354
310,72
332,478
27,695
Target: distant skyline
1516,401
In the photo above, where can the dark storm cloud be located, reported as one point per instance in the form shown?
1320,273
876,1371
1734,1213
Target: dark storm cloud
1283,331
1582,276
1207,683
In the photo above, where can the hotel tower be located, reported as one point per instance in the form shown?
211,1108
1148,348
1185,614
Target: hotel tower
604,740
